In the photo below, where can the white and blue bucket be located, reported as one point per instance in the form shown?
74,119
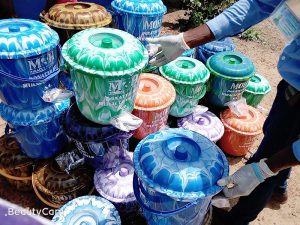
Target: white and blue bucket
176,176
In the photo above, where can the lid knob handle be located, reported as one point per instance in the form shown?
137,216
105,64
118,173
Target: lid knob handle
181,153
185,65
123,172
106,43
146,88
232,61
78,6
84,223
14,29
255,79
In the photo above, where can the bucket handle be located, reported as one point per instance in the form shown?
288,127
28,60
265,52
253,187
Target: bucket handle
137,188
40,79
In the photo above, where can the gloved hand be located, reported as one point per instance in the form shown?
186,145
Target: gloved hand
166,49
246,179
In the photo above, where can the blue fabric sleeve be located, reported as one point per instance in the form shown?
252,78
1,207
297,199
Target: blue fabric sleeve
241,16
296,149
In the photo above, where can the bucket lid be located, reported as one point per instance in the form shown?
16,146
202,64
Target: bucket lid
51,180
116,185
222,45
77,16
21,38
140,7
207,124
185,70
33,117
87,210
250,122
258,85
105,52
231,65
11,156
81,129
180,163
154,93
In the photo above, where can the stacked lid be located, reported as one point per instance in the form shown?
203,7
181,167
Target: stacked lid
11,157
218,46
77,16
83,130
141,7
180,163
205,123
87,210
16,43
245,120
33,117
105,52
231,65
154,93
51,180
258,85
116,184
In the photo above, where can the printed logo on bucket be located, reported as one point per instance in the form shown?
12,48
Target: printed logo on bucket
117,87
42,63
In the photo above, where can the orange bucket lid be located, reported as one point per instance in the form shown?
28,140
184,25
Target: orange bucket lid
154,93
250,122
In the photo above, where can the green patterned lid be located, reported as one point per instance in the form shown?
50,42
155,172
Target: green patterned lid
105,52
258,85
185,70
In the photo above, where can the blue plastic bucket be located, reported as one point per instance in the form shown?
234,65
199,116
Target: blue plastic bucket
102,146
38,132
29,9
28,51
205,51
176,176
142,19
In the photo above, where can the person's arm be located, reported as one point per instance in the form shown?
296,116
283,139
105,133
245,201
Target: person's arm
232,21
248,177
286,158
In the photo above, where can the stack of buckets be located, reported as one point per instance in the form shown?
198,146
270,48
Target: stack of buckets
105,65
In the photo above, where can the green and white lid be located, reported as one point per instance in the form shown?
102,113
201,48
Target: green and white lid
105,52
258,85
185,70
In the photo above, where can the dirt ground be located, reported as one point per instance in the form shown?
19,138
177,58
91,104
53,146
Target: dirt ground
265,55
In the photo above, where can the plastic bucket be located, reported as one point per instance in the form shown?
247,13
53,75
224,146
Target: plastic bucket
29,9
106,90
69,18
142,19
167,197
256,90
241,131
205,51
110,185
189,77
55,187
39,133
102,146
26,95
230,74
154,98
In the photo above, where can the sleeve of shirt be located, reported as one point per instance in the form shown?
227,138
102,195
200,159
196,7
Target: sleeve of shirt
240,16
296,149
